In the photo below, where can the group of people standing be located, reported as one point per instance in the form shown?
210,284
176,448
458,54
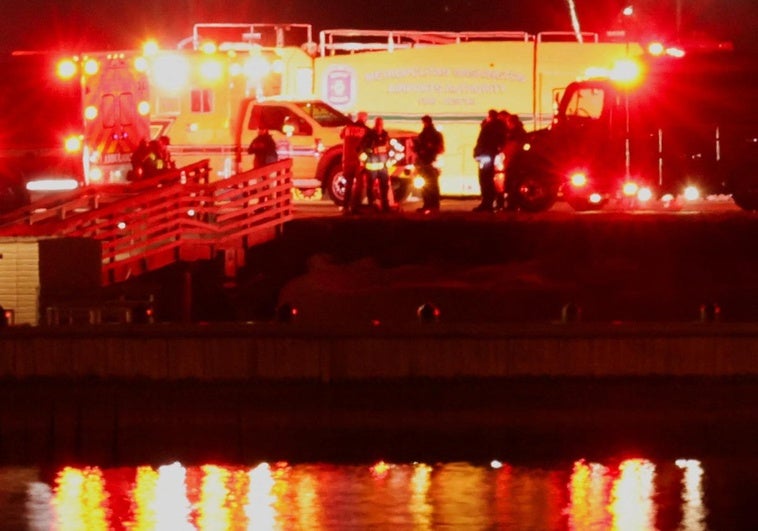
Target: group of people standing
500,135
368,148
151,158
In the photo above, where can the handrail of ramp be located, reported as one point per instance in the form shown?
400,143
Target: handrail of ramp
156,222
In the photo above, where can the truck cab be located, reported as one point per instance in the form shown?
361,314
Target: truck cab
308,132
680,127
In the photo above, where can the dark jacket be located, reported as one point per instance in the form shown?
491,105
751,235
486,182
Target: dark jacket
263,149
428,145
492,137
351,136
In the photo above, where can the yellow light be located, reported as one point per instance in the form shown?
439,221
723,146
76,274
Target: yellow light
419,182
645,194
211,70
143,108
96,175
626,71
675,52
66,69
150,47
630,189
257,67
170,72
91,66
90,113
140,64
655,48
691,193
208,47
595,198
73,143
578,179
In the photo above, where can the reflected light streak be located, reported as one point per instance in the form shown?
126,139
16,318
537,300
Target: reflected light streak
260,502
693,508
418,505
308,508
213,511
170,504
589,492
79,500
632,503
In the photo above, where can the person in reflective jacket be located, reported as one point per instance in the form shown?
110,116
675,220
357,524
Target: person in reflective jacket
375,149
352,135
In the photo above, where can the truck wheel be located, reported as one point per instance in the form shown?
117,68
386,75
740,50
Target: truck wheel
401,189
582,204
335,185
532,194
746,197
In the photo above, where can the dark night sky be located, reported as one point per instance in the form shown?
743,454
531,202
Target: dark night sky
113,24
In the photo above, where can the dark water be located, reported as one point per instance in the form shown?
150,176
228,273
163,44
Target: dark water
626,494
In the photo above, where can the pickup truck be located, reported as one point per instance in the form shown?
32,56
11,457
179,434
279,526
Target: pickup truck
308,132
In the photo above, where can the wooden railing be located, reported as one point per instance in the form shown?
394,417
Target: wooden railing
177,216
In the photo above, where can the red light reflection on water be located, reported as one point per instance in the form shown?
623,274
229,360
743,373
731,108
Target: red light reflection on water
420,496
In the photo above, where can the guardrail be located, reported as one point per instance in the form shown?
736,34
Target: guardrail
175,216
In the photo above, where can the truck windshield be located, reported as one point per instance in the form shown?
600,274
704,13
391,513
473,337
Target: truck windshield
324,114
583,102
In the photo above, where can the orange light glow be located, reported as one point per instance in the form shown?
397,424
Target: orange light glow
380,469
73,143
211,70
143,108
150,47
656,48
630,189
90,113
66,69
80,499
626,71
578,179
91,67
208,47
632,503
141,64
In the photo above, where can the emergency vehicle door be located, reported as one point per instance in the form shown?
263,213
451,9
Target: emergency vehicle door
293,136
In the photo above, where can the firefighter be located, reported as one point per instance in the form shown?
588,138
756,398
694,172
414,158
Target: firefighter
428,145
489,144
352,135
164,153
139,155
375,148
263,149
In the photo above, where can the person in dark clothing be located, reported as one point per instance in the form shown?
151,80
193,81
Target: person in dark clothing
428,145
263,149
375,147
489,144
514,139
352,135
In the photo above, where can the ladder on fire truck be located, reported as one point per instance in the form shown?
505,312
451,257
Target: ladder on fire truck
176,216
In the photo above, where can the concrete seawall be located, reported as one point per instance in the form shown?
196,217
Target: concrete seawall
289,352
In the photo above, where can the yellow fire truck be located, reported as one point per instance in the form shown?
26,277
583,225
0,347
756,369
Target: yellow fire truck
456,78
197,88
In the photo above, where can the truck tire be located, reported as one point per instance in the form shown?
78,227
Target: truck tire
531,193
334,185
746,197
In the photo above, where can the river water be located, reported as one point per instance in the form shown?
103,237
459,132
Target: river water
631,493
